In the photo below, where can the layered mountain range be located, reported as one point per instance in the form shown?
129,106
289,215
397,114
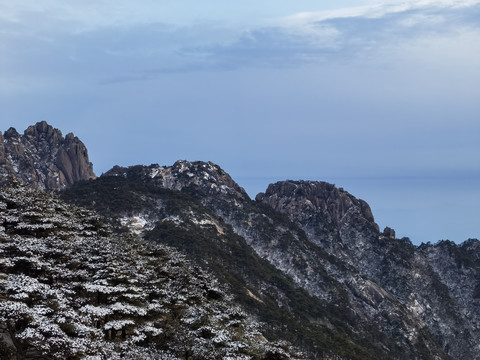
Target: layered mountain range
304,261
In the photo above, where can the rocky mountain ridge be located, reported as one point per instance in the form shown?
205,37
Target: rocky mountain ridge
181,220
416,276
43,158
333,250
305,258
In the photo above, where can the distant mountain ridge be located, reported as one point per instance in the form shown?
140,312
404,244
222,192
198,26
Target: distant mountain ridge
44,158
305,258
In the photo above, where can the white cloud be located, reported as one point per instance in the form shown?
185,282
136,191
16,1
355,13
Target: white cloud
83,15
372,11
125,43
387,21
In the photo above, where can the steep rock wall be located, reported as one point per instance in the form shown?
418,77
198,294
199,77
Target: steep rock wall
43,158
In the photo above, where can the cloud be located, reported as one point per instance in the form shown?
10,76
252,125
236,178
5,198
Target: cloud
344,35
96,42
84,15
357,35
375,11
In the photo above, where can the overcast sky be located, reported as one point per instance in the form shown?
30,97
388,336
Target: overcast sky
382,99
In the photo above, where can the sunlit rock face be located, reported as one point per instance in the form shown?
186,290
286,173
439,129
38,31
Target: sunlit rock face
44,158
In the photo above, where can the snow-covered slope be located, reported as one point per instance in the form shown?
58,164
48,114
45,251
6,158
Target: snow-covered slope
69,289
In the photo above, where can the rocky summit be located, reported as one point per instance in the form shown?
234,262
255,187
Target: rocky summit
177,262
44,158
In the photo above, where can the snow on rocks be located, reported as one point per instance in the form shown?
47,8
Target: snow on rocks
136,224
69,291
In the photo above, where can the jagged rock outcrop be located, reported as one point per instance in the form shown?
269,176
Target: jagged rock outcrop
421,280
294,197
328,214
389,233
43,158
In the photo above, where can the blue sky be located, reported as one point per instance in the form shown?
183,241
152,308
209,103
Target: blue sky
381,98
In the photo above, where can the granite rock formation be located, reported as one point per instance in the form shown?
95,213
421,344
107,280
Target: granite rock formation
436,283
44,158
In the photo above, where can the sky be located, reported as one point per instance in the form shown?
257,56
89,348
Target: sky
380,98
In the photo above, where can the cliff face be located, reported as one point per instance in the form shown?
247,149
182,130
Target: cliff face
458,268
43,158
438,284
334,219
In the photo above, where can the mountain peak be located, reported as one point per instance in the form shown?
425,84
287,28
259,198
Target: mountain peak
42,131
11,133
41,127
198,177
43,157
305,198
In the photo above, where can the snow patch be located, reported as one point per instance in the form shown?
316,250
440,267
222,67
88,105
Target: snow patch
136,224
154,173
414,306
224,189
183,166
175,219
206,176
118,324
